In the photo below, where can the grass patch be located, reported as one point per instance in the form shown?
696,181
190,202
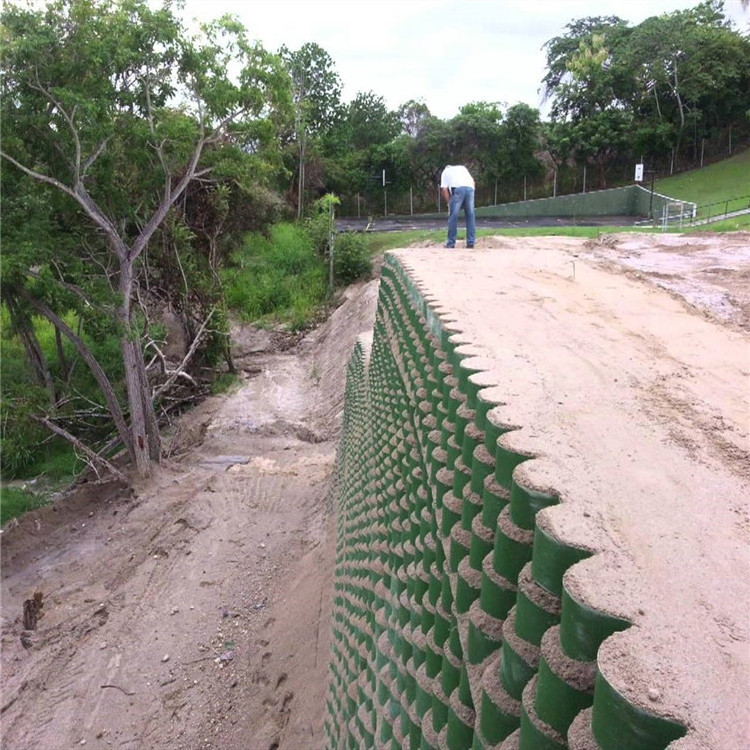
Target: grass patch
735,224
226,382
15,501
280,277
58,464
712,186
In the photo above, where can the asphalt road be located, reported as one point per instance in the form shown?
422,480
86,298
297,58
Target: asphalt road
403,223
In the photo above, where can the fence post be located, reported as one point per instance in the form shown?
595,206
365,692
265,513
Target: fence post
584,178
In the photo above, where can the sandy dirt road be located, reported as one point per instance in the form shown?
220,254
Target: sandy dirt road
192,611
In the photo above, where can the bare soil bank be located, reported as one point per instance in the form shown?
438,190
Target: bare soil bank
193,611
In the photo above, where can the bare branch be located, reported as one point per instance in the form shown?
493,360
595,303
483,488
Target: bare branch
99,151
65,285
96,370
68,119
78,194
191,351
90,454
161,212
39,176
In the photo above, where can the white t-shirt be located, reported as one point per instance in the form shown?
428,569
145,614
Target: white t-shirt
455,176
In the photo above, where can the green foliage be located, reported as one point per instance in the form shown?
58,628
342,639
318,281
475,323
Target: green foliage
226,382
27,447
15,501
21,435
321,224
351,258
280,276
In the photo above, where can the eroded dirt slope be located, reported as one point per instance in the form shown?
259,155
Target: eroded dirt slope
191,611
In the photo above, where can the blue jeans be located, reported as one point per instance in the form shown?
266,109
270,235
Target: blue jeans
462,197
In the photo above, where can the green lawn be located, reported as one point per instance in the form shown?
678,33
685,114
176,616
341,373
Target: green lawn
15,501
716,188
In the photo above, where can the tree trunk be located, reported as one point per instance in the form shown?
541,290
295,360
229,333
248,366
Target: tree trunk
34,353
96,370
602,163
64,367
143,426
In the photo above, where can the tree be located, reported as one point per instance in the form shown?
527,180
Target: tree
691,67
582,74
474,138
316,91
111,105
370,122
521,139
413,116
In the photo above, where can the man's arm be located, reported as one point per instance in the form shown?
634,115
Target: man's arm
446,194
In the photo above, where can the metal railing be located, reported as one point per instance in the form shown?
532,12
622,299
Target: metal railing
679,214
723,209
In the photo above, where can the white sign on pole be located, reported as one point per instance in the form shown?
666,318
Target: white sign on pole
639,172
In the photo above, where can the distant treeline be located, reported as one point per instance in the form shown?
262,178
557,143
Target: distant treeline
136,157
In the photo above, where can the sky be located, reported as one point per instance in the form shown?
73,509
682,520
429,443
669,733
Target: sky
444,53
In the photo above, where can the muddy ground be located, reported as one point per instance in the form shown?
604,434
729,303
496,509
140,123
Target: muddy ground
192,610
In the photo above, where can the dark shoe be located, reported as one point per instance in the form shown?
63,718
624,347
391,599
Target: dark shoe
451,247
470,247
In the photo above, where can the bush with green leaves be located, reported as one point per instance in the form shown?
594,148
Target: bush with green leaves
280,276
351,258
21,435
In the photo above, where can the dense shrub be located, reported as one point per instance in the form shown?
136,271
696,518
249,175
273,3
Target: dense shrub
351,258
281,276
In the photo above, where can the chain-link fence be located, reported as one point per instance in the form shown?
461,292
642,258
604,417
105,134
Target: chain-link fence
566,179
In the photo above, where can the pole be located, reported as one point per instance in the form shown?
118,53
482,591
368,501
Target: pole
524,187
330,247
584,178
651,200
385,202
411,201
554,186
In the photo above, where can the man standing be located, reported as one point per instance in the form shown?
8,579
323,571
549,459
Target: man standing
457,186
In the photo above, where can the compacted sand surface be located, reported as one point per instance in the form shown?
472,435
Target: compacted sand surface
627,375
192,611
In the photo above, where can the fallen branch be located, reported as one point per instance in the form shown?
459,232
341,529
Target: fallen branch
117,687
180,371
91,455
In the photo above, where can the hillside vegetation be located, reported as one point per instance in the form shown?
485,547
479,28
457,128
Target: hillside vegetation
714,186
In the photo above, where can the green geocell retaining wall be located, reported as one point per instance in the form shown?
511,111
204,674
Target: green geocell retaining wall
452,627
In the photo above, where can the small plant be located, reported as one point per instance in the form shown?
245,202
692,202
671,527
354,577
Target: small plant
281,276
351,258
224,383
15,501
